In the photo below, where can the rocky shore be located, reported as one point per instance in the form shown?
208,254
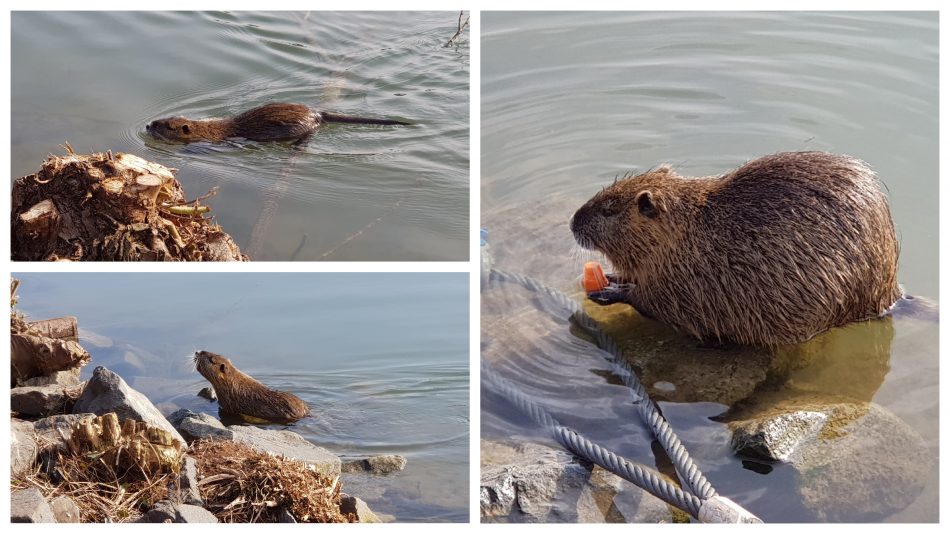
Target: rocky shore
99,451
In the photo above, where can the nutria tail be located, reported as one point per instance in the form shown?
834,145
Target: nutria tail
336,117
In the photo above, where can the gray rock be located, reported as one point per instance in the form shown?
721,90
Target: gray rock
194,426
355,505
107,392
67,377
23,448
169,512
40,400
776,438
185,490
29,506
53,431
378,465
208,393
65,510
534,484
288,444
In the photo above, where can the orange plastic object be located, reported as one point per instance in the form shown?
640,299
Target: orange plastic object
594,277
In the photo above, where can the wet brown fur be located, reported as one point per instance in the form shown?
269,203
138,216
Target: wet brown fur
239,394
270,122
774,252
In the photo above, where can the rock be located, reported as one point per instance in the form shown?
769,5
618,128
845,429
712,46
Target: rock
65,510
41,400
186,490
66,377
168,512
378,465
288,444
23,449
53,431
107,392
194,426
208,393
854,461
29,506
355,505
536,484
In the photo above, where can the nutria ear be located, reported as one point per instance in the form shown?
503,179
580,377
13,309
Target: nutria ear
646,204
185,129
222,367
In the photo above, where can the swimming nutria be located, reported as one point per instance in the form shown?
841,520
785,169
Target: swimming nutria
241,395
270,122
774,252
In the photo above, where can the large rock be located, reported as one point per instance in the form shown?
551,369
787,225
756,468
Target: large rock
23,449
288,444
66,377
169,512
357,506
185,488
194,426
65,510
29,506
856,462
377,465
107,392
41,400
55,430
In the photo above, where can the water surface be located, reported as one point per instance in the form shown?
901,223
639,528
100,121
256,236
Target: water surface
572,100
354,192
382,360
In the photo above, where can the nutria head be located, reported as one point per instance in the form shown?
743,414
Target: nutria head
183,130
633,219
214,367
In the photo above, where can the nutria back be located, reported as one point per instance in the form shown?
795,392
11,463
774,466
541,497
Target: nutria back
239,394
771,253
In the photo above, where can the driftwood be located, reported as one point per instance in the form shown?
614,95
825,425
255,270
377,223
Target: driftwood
32,356
60,328
105,207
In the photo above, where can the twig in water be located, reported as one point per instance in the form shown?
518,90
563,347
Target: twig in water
462,26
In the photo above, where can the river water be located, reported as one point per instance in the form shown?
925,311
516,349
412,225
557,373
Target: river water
354,192
569,101
382,360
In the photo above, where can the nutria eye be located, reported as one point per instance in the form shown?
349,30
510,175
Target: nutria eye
186,129
221,367
610,208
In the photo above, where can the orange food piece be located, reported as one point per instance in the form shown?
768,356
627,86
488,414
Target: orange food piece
594,277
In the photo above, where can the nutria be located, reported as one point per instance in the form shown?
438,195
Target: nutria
242,396
774,252
270,122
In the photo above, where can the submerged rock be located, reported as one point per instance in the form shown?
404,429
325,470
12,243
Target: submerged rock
377,465
357,506
855,461
107,392
208,393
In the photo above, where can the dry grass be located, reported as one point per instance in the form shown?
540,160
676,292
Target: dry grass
101,493
241,485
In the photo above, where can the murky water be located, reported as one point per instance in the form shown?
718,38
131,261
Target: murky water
382,360
354,192
571,100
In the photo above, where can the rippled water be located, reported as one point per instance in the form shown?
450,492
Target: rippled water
354,192
381,359
571,100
